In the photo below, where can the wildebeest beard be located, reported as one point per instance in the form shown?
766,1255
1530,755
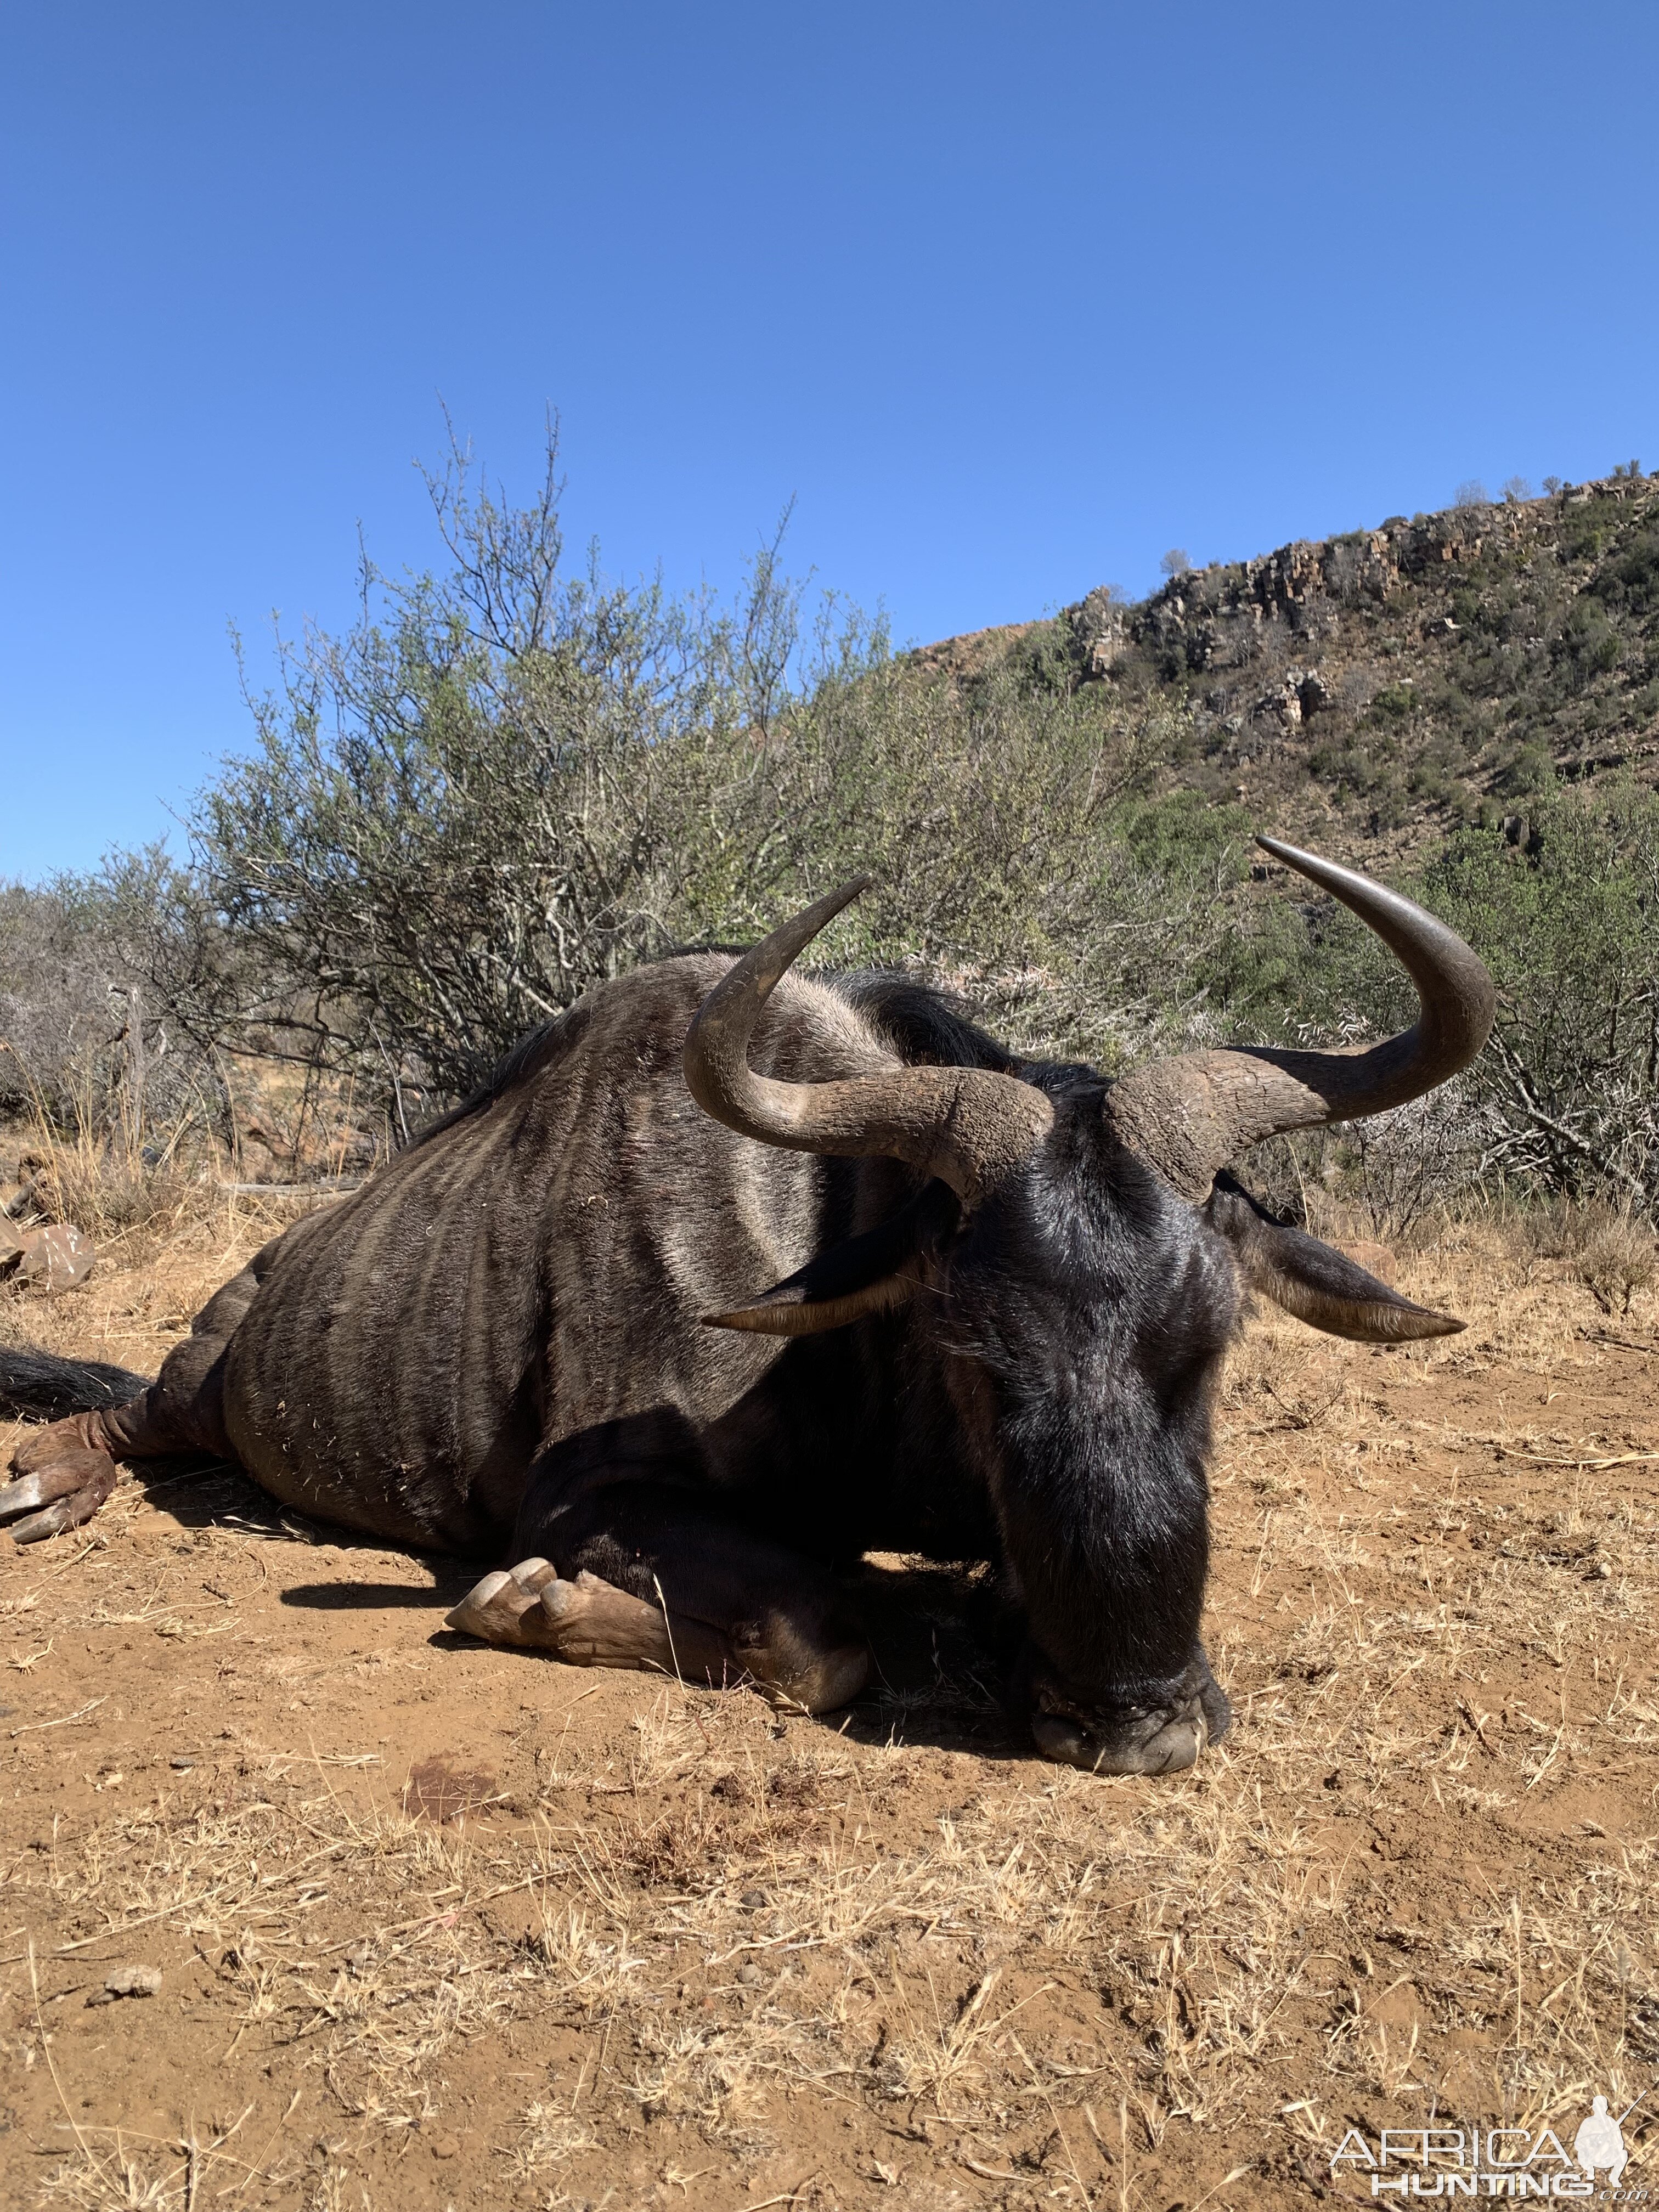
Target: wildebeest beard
1000,1297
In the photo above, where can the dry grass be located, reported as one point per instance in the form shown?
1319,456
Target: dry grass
691,1951
138,1192
1613,1256
1619,1259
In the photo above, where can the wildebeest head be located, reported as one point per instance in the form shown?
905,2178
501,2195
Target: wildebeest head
1080,1250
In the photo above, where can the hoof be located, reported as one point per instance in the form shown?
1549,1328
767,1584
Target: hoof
29,1492
505,1607
590,1622
59,1493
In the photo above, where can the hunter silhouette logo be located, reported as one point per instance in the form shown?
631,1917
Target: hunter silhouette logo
1601,2142
1473,2161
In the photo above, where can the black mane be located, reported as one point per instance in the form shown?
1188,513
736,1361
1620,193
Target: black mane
929,1027
926,1025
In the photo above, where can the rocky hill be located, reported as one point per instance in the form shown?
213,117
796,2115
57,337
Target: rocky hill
1379,687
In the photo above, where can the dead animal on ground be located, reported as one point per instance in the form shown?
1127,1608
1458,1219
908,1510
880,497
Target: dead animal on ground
1002,1291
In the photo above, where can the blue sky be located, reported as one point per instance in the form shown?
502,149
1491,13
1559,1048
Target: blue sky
1009,299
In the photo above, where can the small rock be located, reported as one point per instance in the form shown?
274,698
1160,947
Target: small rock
750,1975
129,1982
445,2146
182,1765
52,1259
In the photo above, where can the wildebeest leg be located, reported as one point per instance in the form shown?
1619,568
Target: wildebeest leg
654,1576
66,1470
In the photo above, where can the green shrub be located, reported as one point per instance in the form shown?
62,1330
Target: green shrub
1394,704
1571,931
509,782
1632,579
1589,642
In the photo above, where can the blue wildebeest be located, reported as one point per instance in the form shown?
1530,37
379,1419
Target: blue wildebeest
1002,1291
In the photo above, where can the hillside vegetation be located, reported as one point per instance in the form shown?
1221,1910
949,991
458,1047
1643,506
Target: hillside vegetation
1388,685
510,782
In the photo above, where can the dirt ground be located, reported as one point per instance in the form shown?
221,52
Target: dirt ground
441,1926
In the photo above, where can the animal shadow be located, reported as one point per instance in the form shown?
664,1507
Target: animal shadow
938,1675
200,1492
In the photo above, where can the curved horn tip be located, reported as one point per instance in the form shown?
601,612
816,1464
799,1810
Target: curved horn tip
798,930
844,893
1294,856
1352,884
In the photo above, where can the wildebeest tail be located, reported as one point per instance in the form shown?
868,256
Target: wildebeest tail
41,1384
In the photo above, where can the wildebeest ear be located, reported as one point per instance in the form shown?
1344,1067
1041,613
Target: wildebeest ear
863,1275
1314,1281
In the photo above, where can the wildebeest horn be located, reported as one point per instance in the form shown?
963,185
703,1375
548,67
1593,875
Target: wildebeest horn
1190,1115
968,1126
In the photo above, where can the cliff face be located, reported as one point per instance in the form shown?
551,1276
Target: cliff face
1384,684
